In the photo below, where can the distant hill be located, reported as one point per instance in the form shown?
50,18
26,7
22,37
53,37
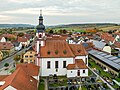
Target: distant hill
15,25
86,24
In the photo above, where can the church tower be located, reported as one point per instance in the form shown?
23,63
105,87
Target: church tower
40,28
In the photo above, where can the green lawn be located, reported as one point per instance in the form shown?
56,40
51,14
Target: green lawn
103,73
41,85
70,29
83,88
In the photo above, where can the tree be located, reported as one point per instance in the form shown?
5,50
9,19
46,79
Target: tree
17,58
6,64
20,34
51,31
64,31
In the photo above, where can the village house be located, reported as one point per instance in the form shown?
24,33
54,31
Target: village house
2,39
1,55
24,41
17,45
9,37
7,47
19,80
100,45
30,69
108,38
29,56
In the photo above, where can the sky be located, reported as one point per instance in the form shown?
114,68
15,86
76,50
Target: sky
57,12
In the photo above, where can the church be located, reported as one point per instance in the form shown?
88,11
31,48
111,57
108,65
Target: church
56,56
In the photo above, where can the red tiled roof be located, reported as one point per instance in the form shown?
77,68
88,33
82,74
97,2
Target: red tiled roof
6,45
3,77
9,35
56,48
78,50
20,80
31,69
107,37
79,64
117,44
22,39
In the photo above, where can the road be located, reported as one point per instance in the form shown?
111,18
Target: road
10,59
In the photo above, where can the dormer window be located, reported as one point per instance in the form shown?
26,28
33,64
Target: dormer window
56,52
48,52
79,51
65,52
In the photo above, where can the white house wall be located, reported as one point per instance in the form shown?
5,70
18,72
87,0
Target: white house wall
73,73
83,58
107,49
3,39
10,88
83,74
61,71
36,77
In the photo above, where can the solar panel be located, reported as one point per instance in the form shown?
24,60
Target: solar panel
117,61
112,58
104,54
106,60
108,56
100,53
85,44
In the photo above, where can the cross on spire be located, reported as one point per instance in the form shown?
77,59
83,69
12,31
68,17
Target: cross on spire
40,12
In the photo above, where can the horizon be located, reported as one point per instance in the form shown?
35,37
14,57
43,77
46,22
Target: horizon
59,12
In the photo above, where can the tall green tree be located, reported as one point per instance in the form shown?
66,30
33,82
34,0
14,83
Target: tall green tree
17,58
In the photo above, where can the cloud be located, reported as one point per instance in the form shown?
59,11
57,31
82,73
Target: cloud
85,10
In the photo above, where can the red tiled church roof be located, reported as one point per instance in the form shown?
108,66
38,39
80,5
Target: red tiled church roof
56,48
78,50
79,64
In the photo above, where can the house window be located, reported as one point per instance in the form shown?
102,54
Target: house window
31,61
26,56
78,72
83,71
56,69
31,56
48,64
64,64
86,60
56,64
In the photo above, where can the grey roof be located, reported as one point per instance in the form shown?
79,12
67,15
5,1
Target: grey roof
112,60
16,44
98,44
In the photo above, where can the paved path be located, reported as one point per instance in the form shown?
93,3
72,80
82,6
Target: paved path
10,60
46,84
102,79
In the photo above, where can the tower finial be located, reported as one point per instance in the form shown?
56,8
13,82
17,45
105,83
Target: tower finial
40,12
